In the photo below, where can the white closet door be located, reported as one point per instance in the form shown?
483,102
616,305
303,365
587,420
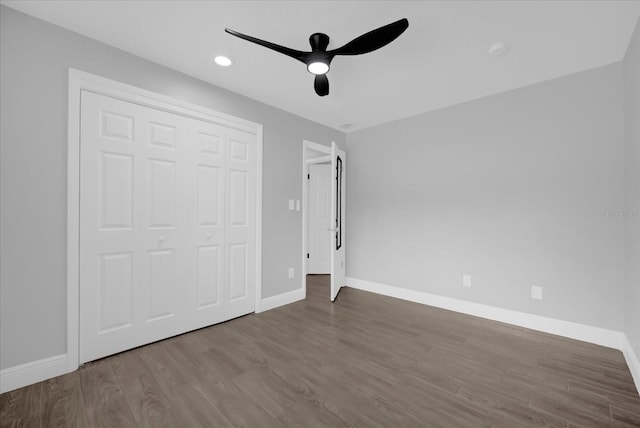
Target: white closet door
132,221
167,225
109,267
240,218
207,165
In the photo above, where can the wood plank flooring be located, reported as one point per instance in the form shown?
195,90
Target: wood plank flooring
363,361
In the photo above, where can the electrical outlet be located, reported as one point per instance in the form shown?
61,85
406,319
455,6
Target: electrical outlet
291,273
536,292
466,280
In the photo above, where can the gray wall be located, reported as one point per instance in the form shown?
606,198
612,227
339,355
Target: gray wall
632,189
513,189
34,57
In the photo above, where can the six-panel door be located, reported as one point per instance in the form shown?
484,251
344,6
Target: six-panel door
167,225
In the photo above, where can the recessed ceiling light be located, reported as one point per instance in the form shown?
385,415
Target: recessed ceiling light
223,61
498,49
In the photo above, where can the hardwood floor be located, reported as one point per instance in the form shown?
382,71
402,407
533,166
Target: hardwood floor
364,361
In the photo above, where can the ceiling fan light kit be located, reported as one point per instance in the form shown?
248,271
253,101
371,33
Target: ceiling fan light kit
318,61
318,67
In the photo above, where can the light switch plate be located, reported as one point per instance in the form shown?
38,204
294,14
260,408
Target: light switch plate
291,273
291,204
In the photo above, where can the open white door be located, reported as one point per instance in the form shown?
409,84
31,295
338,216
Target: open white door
338,270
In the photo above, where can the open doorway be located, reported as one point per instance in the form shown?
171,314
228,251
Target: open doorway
323,197
319,218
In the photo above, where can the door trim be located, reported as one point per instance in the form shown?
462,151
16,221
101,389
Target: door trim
79,81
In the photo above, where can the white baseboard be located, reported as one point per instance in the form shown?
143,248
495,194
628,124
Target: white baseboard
632,361
282,299
586,333
29,373
35,371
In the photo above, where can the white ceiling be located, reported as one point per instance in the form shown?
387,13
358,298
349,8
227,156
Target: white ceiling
442,59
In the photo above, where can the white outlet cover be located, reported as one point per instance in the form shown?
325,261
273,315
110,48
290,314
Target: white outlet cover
297,204
466,280
536,292
291,273
291,204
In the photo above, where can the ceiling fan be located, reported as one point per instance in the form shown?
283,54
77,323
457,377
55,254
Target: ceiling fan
319,59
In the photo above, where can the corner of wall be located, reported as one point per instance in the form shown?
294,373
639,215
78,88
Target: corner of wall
631,101
633,361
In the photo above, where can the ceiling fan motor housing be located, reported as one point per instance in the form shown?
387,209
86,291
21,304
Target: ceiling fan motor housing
319,42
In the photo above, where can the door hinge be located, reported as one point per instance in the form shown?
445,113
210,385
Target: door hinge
307,255
308,176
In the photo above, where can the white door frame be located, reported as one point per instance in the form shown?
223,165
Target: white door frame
306,161
79,81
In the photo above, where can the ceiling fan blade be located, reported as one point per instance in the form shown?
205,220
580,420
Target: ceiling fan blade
374,39
299,55
321,85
